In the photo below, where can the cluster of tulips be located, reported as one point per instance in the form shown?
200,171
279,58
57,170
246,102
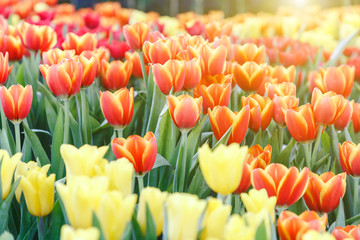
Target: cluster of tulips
128,125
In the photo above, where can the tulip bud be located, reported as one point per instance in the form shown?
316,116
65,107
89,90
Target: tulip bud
69,233
56,55
257,200
86,42
236,228
136,34
8,166
4,68
248,52
120,174
249,76
349,157
115,75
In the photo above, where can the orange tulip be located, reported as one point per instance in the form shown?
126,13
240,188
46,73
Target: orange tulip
170,75
280,74
345,111
12,45
134,58
248,52
192,75
292,226
100,54
355,117
287,184
217,29
185,111
348,232
136,35
89,70
280,89
324,192
349,157
222,118
141,152
249,76
160,51
281,105
301,123
16,101
4,68
63,79
212,61
82,43
245,181
337,79
118,107
37,38
261,111
56,55
115,75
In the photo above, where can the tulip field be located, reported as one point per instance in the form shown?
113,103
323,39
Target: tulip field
123,124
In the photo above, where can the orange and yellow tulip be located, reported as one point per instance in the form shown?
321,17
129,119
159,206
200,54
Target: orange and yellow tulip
160,51
280,74
56,55
118,107
185,111
89,70
222,118
248,52
4,68
141,152
337,79
192,75
12,45
37,38
261,111
115,75
101,53
88,41
324,192
355,117
349,157
170,75
348,232
280,89
16,101
217,29
301,123
212,61
281,105
249,76
134,58
292,226
136,35
63,79
287,184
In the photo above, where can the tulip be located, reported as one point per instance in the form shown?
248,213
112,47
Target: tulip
259,157
111,204
155,200
215,218
281,74
118,107
217,29
141,152
89,70
38,189
254,220
337,79
81,197
324,192
212,61
349,154
248,52
281,105
170,75
16,102
249,76
185,111
115,75
56,55
69,233
101,53
13,46
257,200
280,89
291,226
82,43
120,174
221,118
183,214
344,114
222,168
135,60
348,232
301,123
160,51
236,228
313,234
261,111
136,34
92,20
4,68
355,117
287,184
63,79
245,181
37,38
192,75
8,165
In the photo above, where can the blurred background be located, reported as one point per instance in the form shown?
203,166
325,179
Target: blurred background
230,7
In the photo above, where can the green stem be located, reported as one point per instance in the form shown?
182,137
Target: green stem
237,206
334,149
307,154
226,199
347,134
281,137
258,138
317,142
17,137
183,171
143,69
40,227
67,120
3,118
119,133
356,194
141,183
84,117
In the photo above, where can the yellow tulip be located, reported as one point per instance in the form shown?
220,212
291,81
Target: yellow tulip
81,196
114,212
236,228
85,161
8,167
23,170
222,168
215,218
155,199
120,174
183,215
254,220
69,233
312,234
38,189
256,200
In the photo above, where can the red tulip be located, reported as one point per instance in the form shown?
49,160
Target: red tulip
16,101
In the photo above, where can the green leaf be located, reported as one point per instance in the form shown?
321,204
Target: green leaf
85,121
136,230
340,215
6,236
28,222
261,232
75,132
160,161
150,225
96,223
57,220
57,140
198,185
284,157
5,206
325,141
194,137
50,115
156,109
36,146
20,79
